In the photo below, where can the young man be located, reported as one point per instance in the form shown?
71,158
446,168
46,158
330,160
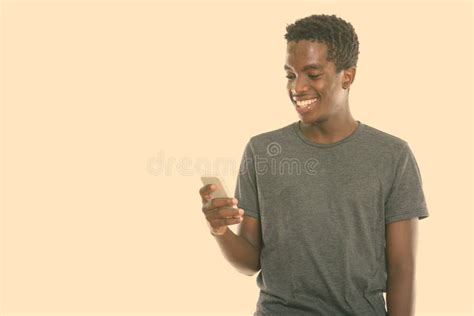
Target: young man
327,205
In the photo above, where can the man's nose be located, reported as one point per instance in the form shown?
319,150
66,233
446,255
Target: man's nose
299,85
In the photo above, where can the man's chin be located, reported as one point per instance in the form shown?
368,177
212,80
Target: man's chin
311,119
306,120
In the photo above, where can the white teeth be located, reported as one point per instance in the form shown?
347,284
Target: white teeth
306,102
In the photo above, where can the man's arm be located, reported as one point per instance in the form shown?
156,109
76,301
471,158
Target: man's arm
401,243
243,249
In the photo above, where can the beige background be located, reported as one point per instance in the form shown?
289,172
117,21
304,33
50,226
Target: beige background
112,110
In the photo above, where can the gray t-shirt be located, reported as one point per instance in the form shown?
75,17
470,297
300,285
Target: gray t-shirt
323,210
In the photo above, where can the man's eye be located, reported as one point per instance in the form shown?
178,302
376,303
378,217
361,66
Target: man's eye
311,76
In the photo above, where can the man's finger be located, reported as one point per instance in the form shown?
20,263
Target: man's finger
224,212
205,192
206,189
214,204
226,221
220,202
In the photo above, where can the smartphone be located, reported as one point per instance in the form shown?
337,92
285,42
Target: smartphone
222,191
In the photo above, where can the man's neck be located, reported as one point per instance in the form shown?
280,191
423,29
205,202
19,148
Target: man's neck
329,131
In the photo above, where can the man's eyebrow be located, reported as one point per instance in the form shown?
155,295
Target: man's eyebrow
309,66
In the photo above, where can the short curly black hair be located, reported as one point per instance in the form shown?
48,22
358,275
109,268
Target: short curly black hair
338,35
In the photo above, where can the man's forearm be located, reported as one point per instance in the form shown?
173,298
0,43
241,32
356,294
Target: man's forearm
401,292
239,252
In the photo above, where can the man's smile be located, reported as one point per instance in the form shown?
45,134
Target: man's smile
304,103
305,106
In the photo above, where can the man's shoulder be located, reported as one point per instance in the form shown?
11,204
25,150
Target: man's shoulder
373,138
275,135
381,139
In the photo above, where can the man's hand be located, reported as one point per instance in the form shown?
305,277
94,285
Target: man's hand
219,212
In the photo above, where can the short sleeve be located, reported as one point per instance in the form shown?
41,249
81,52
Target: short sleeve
406,198
246,190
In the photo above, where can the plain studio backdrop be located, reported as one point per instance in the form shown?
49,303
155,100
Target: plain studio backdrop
112,110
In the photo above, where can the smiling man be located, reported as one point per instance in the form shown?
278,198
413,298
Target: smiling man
328,206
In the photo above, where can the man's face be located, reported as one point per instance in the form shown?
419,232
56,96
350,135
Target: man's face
311,76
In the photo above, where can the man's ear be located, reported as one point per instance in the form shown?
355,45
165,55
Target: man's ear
348,77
